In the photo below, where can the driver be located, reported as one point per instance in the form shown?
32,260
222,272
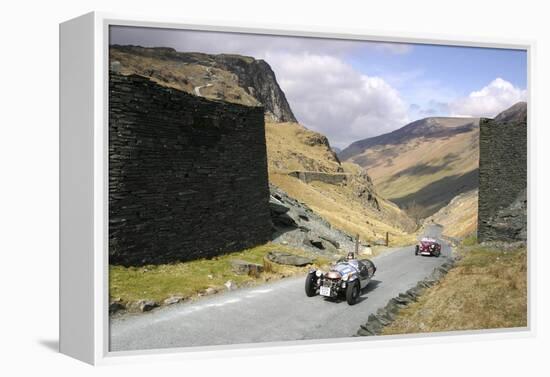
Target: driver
351,256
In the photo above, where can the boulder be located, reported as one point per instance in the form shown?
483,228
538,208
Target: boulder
116,306
284,220
288,259
147,305
319,243
277,206
230,285
333,242
242,267
210,291
173,300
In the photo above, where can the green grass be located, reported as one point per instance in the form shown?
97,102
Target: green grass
470,240
187,279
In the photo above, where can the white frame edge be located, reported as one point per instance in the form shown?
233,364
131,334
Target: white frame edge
84,320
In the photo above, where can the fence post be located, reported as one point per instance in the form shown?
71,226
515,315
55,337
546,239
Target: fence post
387,238
357,245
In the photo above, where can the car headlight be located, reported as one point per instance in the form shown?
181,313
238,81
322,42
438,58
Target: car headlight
318,273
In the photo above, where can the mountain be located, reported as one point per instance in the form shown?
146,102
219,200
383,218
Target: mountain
517,114
342,193
232,78
423,165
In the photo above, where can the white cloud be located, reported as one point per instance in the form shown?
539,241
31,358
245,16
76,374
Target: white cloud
497,96
325,93
330,96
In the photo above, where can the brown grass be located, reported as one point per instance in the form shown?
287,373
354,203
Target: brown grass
487,290
459,217
332,204
183,76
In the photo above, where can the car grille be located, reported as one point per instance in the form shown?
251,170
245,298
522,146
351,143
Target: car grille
332,284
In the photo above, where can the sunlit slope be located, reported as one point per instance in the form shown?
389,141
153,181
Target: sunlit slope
349,206
459,217
423,165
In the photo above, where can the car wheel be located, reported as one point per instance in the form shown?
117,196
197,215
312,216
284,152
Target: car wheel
416,250
352,293
310,285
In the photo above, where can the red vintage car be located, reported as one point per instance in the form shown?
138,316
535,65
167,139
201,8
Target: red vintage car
428,246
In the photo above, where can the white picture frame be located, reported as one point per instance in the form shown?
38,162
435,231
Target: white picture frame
84,321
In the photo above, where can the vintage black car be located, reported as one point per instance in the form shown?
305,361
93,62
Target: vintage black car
344,279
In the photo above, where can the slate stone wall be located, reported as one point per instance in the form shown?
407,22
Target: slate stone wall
187,176
309,176
502,177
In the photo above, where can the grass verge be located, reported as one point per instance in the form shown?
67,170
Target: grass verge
486,290
189,279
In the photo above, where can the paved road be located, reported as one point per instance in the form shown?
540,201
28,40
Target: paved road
273,312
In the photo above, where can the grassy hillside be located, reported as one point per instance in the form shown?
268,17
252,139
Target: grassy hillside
423,165
184,75
486,290
346,206
459,217
291,146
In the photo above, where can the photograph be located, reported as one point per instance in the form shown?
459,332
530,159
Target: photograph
273,188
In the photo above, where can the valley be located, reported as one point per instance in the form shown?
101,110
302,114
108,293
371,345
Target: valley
422,166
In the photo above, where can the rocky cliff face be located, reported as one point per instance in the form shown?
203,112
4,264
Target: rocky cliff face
258,79
232,78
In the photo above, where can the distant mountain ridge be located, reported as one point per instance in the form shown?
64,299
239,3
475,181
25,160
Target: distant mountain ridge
516,113
232,78
422,166
431,127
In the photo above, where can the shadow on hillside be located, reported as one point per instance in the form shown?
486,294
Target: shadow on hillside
425,169
439,193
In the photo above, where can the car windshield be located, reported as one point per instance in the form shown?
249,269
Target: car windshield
345,267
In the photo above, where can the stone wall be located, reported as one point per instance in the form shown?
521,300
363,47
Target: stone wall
502,178
309,176
187,176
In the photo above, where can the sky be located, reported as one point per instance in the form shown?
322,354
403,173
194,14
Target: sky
350,90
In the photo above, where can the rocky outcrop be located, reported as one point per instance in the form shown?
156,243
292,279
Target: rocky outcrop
502,213
242,267
280,257
258,79
233,78
310,176
297,225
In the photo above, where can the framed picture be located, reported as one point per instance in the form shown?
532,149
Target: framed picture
234,189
